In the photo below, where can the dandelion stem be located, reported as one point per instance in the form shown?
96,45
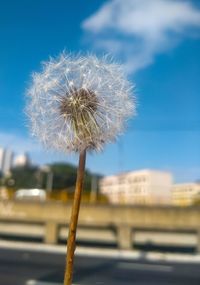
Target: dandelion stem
71,241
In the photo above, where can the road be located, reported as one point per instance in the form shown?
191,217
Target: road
19,267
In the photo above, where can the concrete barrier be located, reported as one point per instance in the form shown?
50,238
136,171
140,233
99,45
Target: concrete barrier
113,223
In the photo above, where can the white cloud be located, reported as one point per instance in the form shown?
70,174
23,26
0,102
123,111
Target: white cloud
138,30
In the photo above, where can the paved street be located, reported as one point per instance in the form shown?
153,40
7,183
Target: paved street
22,267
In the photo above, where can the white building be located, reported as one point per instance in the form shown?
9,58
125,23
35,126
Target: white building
138,187
6,159
1,159
184,194
22,160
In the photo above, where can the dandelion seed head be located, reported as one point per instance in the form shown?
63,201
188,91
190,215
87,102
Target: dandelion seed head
78,103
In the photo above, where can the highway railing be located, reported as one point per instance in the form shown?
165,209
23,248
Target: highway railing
107,223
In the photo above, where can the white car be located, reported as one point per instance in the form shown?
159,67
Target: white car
31,194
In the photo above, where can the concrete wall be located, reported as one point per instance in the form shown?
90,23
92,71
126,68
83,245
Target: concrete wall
121,221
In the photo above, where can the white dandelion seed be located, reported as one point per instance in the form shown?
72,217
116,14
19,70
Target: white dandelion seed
79,103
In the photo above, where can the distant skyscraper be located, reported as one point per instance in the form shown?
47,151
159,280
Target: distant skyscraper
1,159
8,160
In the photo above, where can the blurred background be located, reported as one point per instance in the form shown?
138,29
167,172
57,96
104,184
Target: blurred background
142,193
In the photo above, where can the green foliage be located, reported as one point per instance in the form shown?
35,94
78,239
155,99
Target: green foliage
23,177
64,177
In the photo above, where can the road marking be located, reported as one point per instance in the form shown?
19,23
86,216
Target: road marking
36,282
143,266
102,252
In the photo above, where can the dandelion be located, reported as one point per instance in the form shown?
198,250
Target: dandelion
78,104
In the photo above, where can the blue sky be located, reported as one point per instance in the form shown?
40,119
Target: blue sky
159,44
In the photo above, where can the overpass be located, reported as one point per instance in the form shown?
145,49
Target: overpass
50,220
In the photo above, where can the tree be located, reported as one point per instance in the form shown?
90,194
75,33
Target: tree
23,177
64,177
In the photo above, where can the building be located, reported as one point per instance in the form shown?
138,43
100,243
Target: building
185,194
138,187
6,159
22,160
1,159
7,162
